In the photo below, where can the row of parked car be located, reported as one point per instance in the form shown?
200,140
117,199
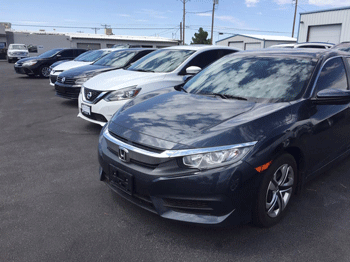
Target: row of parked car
210,135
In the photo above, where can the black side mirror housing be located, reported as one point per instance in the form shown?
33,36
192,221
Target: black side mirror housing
332,96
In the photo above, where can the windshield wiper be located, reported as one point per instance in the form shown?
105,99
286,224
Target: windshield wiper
224,96
142,70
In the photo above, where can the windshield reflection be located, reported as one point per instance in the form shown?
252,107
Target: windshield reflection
161,61
273,78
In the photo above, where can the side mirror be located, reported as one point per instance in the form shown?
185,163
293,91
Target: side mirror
192,70
331,96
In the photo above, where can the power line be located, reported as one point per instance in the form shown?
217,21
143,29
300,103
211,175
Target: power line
89,27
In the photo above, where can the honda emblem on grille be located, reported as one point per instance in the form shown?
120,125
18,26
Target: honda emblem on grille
63,79
89,95
124,154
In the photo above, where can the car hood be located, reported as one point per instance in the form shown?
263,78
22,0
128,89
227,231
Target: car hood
118,79
19,50
86,69
27,59
176,120
70,64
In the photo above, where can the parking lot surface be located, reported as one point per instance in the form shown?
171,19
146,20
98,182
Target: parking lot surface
54,208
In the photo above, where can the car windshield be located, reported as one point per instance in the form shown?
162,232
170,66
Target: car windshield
91,56
49,53
18,47
276,79
116,58
161,61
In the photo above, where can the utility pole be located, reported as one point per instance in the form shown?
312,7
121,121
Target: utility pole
95,28
212,20
183,19
295,14
181,32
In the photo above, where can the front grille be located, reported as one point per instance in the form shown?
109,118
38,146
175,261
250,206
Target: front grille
20,53
67,92
66,80
90,94
96,117
148,148
53,79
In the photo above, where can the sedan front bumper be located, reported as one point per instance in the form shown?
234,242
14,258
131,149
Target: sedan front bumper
213,196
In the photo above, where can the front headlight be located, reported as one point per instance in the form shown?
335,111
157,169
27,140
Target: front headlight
122,94
30,63
216,158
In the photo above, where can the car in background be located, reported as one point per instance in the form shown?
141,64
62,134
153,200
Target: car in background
103,95
282,46
16,52
318,45
69,82
344,46
86,58
3,50
236,142
39,65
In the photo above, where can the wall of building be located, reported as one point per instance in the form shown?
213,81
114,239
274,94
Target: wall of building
248,43
330,17
239,41
42,41
107,43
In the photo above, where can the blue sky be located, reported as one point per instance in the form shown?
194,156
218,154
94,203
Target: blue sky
160,18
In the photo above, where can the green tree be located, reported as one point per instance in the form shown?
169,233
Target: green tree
201,37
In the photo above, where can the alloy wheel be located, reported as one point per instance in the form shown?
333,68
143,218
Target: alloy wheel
279,190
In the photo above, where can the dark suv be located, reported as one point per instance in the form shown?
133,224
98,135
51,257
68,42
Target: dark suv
39,65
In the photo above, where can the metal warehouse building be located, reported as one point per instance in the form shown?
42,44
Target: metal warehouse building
331,25
249,42
44,41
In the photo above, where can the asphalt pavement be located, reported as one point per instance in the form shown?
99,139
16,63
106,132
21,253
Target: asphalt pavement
54,208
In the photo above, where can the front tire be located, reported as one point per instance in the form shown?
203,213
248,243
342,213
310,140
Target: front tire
44,71
275,191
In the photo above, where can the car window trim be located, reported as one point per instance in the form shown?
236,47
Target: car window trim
319,73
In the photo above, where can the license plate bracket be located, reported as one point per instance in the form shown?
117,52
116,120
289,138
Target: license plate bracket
121,179
85,109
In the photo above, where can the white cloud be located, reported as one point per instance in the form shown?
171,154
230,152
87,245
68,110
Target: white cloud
204,14
250,3
226,18
329,2
124,15
283,2
152,13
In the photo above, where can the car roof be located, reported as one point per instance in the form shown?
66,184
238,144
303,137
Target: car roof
312,53
199,47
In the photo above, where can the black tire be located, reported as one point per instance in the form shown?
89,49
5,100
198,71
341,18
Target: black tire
44,71
275,191
9,60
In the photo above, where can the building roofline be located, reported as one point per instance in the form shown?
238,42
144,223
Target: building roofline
262,38
326,10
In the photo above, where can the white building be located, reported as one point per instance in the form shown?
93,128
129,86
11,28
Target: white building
43,41
249,42
331,26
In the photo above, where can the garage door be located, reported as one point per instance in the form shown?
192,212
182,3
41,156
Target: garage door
93,46
251,46
236,44
324,33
